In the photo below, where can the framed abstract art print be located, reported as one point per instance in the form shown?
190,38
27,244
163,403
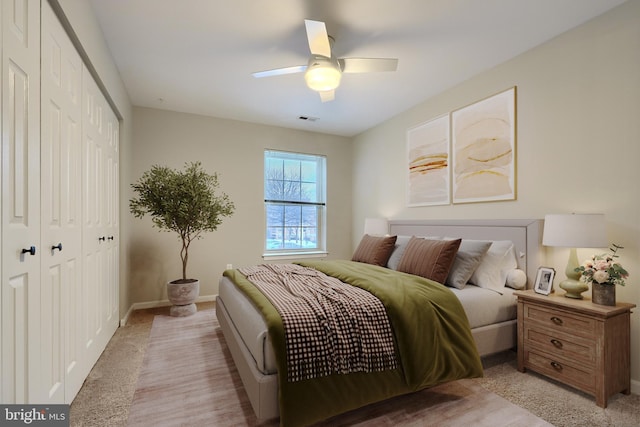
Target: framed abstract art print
483,149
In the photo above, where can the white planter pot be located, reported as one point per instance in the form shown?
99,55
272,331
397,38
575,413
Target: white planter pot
183,297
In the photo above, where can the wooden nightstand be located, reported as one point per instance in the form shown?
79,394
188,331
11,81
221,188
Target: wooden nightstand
576,342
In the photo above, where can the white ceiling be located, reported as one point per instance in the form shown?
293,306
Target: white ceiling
197,56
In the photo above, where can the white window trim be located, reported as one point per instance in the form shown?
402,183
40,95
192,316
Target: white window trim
284,254
294,255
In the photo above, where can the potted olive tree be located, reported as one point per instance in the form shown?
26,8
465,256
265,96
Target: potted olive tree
184,202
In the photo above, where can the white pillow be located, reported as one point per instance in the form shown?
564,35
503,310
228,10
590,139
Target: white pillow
468,258
516,279
495,266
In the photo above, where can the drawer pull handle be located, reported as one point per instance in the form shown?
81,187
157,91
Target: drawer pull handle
556,343
556,366
556,320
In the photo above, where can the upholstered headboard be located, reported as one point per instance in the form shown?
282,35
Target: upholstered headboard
526,235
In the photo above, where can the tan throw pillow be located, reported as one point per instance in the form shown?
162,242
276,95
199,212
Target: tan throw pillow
374,250
431,259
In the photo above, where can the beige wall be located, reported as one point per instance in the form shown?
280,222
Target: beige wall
578,115
235,150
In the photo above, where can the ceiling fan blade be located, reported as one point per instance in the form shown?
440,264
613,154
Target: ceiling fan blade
318,38
327,95
367,65
280,71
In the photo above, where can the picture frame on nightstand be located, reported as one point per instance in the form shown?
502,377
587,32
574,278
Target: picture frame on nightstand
544,280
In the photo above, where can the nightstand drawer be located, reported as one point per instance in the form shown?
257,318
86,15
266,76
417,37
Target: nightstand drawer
563,345
562,370
560,320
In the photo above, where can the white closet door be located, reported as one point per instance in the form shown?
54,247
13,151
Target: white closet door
111,302
62,354
92,218
100,234
20,200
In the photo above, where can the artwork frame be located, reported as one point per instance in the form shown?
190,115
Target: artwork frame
428,170
483,139
544,280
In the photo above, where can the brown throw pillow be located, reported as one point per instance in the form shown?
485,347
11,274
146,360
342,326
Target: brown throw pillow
374,250
431,259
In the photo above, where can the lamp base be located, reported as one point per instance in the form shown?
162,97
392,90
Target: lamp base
573,288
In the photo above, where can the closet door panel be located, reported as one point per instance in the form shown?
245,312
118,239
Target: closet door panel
20,158
112,221
93,237
100,229
51,351
62,356
20,229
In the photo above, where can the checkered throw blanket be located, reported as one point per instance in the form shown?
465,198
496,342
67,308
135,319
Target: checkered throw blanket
330,327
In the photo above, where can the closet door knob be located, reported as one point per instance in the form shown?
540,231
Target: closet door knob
102,239
31,250
58,247
110,237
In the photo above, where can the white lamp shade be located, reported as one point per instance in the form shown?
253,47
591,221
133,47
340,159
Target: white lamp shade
376,226
575,231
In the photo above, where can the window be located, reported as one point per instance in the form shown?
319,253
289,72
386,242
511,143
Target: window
294,199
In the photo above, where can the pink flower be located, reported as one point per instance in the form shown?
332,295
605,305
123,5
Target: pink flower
604,269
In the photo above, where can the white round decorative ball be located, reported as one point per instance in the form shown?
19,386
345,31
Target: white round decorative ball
516,279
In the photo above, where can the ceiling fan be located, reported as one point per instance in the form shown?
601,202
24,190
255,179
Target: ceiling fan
323,70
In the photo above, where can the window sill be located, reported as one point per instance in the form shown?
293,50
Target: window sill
294,255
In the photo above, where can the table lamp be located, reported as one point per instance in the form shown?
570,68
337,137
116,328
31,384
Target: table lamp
376,226
574,231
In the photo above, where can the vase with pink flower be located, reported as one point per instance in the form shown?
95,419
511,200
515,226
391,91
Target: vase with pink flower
603,272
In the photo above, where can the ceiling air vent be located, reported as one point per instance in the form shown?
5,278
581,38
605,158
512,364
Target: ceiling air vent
308,118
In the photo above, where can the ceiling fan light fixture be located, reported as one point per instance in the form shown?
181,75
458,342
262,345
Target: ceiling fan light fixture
323,70
322,75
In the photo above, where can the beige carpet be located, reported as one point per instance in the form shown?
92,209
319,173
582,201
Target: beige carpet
188,379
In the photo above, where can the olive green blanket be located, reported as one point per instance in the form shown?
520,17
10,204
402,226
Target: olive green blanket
432,338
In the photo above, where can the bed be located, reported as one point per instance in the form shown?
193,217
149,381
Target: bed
491,311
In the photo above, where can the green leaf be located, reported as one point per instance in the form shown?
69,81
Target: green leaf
184,202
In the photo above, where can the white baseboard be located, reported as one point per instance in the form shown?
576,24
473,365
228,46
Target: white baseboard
635,387
161,303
